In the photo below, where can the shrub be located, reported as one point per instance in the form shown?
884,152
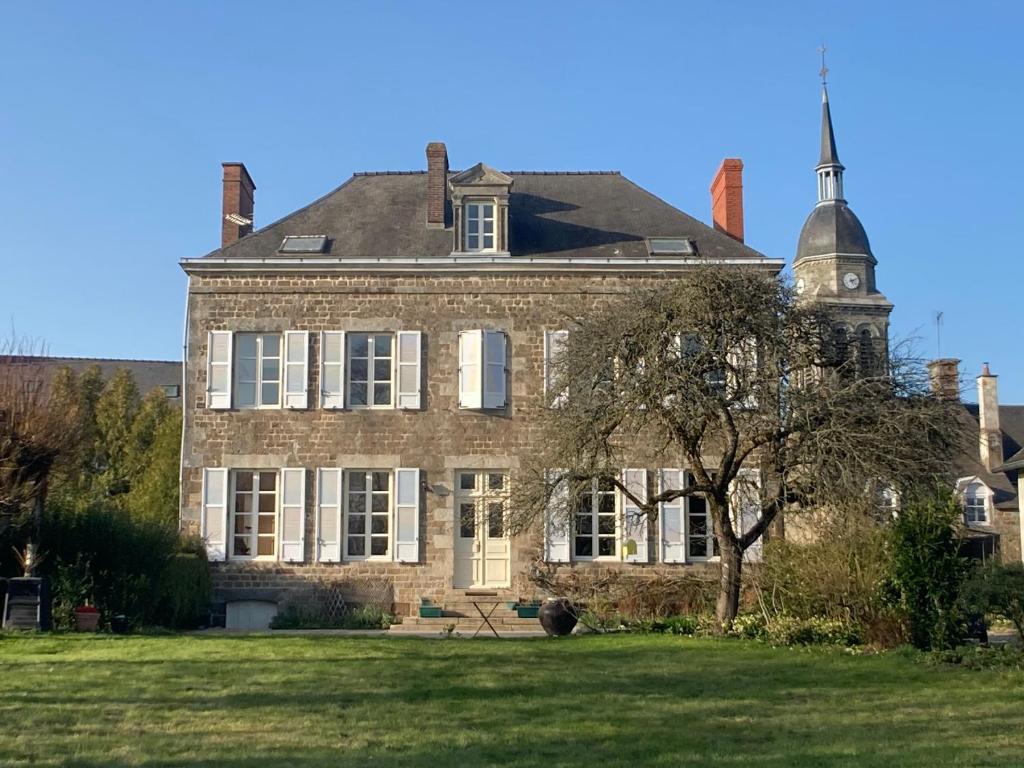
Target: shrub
999,589
102,554
928,572
978,657
313,615
183,593
792,630
836,576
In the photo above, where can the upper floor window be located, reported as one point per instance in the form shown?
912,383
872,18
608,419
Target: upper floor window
480,226
257,370
370,366
975,503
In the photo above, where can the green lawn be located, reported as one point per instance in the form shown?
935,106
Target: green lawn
228,702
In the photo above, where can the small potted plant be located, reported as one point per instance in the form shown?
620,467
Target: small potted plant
528,609
87,618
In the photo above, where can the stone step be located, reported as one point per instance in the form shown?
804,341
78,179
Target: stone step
443,621
464,627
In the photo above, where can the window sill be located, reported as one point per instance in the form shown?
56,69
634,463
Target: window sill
371,559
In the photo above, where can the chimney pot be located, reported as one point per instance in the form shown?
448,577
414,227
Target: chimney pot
990,435
727,198
437,184
944,375
236,214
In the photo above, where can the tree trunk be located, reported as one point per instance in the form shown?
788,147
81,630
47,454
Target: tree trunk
731,561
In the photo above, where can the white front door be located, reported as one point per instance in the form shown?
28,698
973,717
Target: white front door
482,546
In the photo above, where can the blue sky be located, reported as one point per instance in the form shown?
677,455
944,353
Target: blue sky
116,117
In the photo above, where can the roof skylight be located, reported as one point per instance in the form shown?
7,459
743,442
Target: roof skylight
303,244
670,246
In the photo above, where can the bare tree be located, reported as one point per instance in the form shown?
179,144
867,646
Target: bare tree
729,375
33,436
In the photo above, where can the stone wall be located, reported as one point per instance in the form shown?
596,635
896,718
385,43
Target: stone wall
439,439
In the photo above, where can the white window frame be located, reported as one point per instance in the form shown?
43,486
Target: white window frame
368,514
976,502
260,357
255,499
371,358
709,536
481,219
595,518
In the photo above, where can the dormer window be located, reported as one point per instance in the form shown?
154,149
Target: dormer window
480,198
480,225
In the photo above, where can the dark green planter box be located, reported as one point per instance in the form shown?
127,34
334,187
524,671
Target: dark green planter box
430,611
528,611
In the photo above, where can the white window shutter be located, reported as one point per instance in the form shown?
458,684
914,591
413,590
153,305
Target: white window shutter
634,529
293,514
554,346
328,515
557,536
407,516
471,369
296,369
410,349
218,369
671,520
745,508
332,369
214,520
495,372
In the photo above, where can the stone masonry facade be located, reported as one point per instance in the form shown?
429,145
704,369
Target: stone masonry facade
440,438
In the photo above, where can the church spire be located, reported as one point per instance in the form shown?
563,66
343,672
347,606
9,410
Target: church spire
830,170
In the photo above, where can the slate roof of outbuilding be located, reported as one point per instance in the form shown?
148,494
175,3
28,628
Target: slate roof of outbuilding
148,374
597,214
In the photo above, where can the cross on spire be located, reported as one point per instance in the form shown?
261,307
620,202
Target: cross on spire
824,70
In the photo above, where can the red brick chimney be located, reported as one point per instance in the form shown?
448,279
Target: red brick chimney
236,218
727,198
437,184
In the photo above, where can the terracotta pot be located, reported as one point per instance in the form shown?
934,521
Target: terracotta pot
87,621
557,617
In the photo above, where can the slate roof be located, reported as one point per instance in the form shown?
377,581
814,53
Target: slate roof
597,214
829,153
148,374
832,228
1003,484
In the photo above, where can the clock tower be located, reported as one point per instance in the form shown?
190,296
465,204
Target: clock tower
834,264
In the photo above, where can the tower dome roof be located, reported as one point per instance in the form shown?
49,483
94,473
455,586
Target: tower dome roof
832,228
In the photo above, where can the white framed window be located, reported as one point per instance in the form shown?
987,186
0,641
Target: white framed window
976,503
701,543
371,370
479,225
257,370
595,524
253,516
482,369
368,514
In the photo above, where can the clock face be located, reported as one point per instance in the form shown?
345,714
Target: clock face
850,280
800,285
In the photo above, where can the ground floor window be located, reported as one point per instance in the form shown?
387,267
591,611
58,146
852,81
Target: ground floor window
367,514
594,527
701,543
254,514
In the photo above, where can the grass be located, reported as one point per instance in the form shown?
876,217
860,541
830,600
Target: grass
229,702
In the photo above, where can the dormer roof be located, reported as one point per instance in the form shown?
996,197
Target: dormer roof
480,174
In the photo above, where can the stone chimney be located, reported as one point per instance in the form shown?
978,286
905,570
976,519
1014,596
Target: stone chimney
236,218
990,436
437,184
945,378
727,198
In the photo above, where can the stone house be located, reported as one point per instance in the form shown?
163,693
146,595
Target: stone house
989,481
364,375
